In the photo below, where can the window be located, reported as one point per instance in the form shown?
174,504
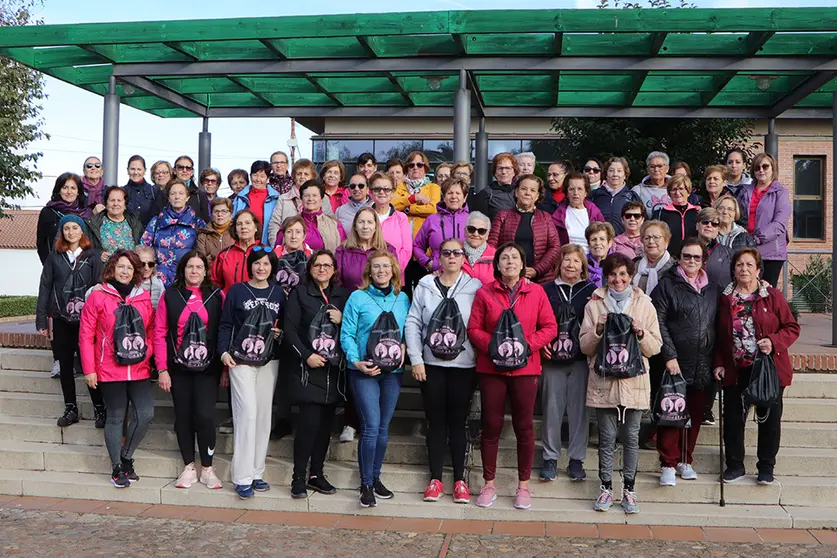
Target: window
502,146
808,198
348,150
388,149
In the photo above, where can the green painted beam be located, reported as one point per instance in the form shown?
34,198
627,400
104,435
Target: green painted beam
371,99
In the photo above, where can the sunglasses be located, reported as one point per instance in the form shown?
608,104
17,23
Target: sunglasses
470,229
710,222
93,165
592,169
693,257
415,165
379,190
210,181
764,166
265,249
184,167
357,186
448,253
636,216
149,265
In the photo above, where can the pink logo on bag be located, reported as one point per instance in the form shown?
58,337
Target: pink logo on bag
253,345
74,307
324,344
133,342
287,278
196,352
617,355
444,337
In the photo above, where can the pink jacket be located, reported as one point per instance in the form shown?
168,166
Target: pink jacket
483,268
397,232
98,318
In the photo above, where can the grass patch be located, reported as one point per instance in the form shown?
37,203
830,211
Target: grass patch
17,306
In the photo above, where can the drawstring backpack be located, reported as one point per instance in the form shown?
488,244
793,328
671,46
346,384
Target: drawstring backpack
69,300
565,347
254,343
508,348
324,335
290,268
130,344
670,403
194,352
619,356
383,348
446,333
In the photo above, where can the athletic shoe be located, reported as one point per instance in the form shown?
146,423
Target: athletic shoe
69,417
100,415
298,491
210,479
188,477
522,498
319,483
226,426
433,491
119,478
629,502
576,470
549,470
686,471
128,467
487,496
461,493
367,496
732,475
380,490
605,500
56,370
667,477
765,478
260,486
348,434
244,491
708,418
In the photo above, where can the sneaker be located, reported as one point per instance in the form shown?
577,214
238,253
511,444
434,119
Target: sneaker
605,500
576,470
629,502
549,470
487,496
128,467
188,477
209,478
348,434
260,486
433,491
226,426
708,418
56,370
380,490
319,483
765,478
100,415
367,496
522,498
298,491
686,471
244,491
461,493
283,428
667,477
733,474
119,478
69,417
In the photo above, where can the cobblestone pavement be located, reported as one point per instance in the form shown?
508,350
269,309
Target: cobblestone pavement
52,533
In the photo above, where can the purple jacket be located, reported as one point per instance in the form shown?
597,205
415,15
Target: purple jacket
350,264
772,216
560,218
437,228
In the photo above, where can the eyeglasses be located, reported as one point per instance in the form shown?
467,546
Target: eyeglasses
93,165
505,169
594,170
678,189
220,211
636,216
710,222
184,167
161,172
381,190
470,229
265,249
418,165
693,257
652,237
448,253
210,181
764,166
149,265
462,174
323,265
279,163
655,167
357,186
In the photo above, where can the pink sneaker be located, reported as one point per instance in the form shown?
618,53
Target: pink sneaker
188,477
461,494
433,491
522,498
210,478
487,496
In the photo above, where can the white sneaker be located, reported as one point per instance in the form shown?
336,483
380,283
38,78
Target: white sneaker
56,370
348,434
667,477
686,472
188,477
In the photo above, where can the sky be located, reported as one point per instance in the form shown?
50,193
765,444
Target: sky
73,117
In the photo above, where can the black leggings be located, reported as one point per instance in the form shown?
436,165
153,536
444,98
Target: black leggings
313,434
194,395
64,348
447,401
772,271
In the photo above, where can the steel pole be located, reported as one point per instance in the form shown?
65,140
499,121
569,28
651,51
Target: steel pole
110,135
833,214
481,177
204,147
771,140
462,120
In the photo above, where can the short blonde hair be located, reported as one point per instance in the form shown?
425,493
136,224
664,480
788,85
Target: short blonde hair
660,225
568,249
679,180
721,199
599,226
451,182
366,282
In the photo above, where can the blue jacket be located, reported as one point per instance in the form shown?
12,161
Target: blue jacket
242,201
359,315
141,196
172,235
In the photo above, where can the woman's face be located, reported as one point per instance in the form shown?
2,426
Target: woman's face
727,210
238,183
261,268
147,264
312,200
593,171
570,270
691,260
258,179
764,171
555,176
365,225
124,271
396,173
599,245
381,268
93,169
322,269
615,175
462,173
454,198
279,164
746,271
526,165
367,169
115,204
221,215
245,227
708,229
681,171
714,183
136,171
451,256
504,172
72,232
632,220
654,243
735,165
576,192
358,189
476,233
679,194
184,169
161,175
69,191
382,192
509,264
178,195
416,168
302,175
294,237
331,177
210,184
527,194
195,272
442,175
618,279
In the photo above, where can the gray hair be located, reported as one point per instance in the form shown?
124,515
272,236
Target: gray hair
141,249
524,155
657,155
708,213
479,216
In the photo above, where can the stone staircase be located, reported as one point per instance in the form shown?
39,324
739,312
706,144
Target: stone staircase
37,458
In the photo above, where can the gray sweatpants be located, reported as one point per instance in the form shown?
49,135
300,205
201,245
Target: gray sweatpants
564,388
608,427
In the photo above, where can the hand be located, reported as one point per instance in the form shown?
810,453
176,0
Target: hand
366,367
225,379
418,373
92,380
335,315
600,323
638,329
765,345
99,208
315,361
44,332
164,380
277,334
719,373
105,256
530,273
546,352
422,199
429,265
673,367
227,360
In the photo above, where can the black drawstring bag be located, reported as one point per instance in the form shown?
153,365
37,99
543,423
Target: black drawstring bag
290,268
70,299
619,356
194,351
384,345
129,337
254,343
565,347
324,336
763,389
508,347
446,332
670,403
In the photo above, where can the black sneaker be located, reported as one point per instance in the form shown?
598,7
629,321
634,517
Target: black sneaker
734,474
128,467
708,418
119,478
298,488
100,415
381,490
319,483
765,478
367,496
283,428
69,417
576,470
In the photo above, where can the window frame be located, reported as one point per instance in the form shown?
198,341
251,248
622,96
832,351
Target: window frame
807,197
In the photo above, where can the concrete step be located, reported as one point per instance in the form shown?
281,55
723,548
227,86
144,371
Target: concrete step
803,410
27,381
794,435
26,359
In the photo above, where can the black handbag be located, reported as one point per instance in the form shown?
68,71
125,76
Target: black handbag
763,389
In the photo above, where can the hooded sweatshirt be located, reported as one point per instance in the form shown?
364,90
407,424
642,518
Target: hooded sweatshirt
437,228
652,197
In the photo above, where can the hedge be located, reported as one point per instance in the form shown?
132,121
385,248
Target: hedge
17,306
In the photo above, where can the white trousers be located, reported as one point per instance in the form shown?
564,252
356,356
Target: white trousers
252,401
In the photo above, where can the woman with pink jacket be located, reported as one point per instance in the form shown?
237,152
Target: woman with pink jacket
394,224
115,338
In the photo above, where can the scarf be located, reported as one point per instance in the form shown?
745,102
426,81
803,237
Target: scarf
610,190
474,254
123,289
644,268
281,183
415,186
619,301
64,208
221,229
699,282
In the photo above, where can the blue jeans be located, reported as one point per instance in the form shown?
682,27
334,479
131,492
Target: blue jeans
375,399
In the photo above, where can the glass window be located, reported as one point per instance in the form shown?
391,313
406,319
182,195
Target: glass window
438,151
319,151
808,184
546,151
501,146
348,150
387,149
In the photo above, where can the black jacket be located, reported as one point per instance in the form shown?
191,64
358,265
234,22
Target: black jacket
176,300
682,226
141,199
197,201
687,325
717,266
493,199
326,385
94,228
47,232
578,295
57,269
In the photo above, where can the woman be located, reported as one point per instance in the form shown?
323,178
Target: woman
630,241
150,281
252,384
92,185
443,173
509,291
375,392
575,212
529,228
230,266
679,215
714,182
479,254
718,257
280,179
499,195
333,175
68,273
730,233
173,232
184,169
317,385
599,241
614,193
237,179
593,171
736,160
753,317
686,302
416,195
681,168
448,222
161,174
114,229
395,170
556,175
768,208
463,170
217,236
365,238
192,381
447,379
290,204
619,400
67,199
395,225
102,356
293,253
139,193
564,379
656,258
259,197
210,181
323,231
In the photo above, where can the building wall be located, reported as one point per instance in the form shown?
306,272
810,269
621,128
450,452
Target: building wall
23,272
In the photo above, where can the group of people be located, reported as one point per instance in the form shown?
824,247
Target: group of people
520,289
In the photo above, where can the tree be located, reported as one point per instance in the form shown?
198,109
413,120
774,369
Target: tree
21,92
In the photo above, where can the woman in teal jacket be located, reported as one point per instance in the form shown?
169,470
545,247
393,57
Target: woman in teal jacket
375,390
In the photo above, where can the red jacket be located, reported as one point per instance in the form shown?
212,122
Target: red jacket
230,267
532,309
545,245
95,339
773,319
483,268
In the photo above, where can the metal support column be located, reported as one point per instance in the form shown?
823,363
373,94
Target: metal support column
481,176
110,135
462,120
771,140
204,148
834,214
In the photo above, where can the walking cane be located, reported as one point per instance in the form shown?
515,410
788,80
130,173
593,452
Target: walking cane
722,503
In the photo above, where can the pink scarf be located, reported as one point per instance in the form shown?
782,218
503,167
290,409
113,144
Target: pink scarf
699,282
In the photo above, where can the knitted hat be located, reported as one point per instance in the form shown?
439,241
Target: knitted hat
71,218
